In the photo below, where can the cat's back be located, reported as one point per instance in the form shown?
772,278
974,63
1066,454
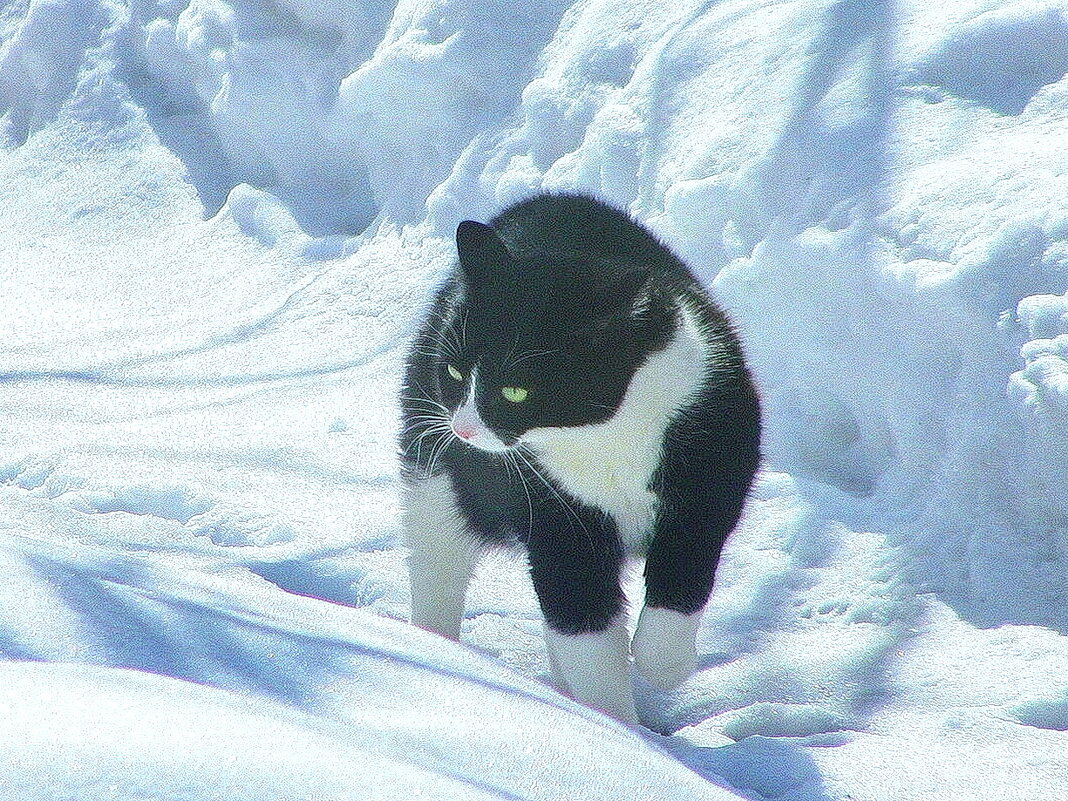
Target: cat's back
579,225
576,247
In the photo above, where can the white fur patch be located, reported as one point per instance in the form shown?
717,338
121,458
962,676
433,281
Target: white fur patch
594,669
442,555
610,465
468,418
664,650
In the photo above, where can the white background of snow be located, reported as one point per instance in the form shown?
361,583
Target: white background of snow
219,222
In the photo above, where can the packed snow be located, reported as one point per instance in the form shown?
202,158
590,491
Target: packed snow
219,224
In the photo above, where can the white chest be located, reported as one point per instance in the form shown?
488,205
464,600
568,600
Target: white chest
611,465
610,469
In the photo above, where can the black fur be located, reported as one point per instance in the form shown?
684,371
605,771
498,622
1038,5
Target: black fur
567,296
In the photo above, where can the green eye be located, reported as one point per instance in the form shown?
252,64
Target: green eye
455,373
514,394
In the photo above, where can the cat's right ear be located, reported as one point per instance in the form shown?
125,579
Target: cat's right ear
482,253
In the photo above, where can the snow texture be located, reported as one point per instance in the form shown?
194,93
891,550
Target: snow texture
221,220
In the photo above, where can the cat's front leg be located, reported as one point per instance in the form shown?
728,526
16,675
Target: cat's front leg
679,571
442,554
593,668
575,567
706,470
665,652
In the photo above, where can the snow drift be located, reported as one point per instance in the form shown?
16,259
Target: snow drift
220,221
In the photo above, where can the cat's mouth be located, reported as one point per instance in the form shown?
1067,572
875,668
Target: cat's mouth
477,435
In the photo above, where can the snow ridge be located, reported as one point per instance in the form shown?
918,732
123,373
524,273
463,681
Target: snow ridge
222,219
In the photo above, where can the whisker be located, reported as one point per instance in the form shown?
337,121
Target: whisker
428,412
526,490
432,342
416,386
442,445
530,354
449,346
509,359
424,398
560,498
419,452
417,442
427,408
427,402
427,423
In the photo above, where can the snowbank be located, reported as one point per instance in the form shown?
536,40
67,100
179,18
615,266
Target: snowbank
221,219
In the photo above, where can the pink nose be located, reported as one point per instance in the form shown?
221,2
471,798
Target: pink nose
464,431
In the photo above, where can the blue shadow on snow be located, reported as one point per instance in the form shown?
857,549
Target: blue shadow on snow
761,768
133,623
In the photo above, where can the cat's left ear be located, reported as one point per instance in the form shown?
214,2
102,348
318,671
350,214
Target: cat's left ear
482,253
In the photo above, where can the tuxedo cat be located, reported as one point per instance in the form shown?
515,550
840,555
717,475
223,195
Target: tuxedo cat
574,390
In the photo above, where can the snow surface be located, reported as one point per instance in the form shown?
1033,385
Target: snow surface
219,221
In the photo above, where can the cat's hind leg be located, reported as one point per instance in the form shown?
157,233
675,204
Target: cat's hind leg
442,554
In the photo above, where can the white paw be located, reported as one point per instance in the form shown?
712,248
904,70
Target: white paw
663,646
594,670
441,555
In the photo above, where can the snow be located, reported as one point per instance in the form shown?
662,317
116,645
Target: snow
221,220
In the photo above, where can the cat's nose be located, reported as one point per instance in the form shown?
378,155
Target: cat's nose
464,431
466,423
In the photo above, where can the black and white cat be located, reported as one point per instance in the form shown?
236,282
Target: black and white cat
575,391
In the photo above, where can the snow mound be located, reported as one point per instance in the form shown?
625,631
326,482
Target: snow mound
222,220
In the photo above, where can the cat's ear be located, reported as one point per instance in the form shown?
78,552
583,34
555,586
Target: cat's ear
482,253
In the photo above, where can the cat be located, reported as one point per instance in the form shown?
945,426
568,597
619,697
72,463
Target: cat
575,391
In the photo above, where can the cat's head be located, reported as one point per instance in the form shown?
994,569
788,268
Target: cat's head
541,340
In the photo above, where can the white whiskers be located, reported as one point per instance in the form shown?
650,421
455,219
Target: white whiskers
428,427
428,431
518,450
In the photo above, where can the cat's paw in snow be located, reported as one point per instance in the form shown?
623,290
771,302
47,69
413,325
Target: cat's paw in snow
663,646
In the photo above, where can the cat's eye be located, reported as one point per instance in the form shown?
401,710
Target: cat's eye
514,394
454,372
